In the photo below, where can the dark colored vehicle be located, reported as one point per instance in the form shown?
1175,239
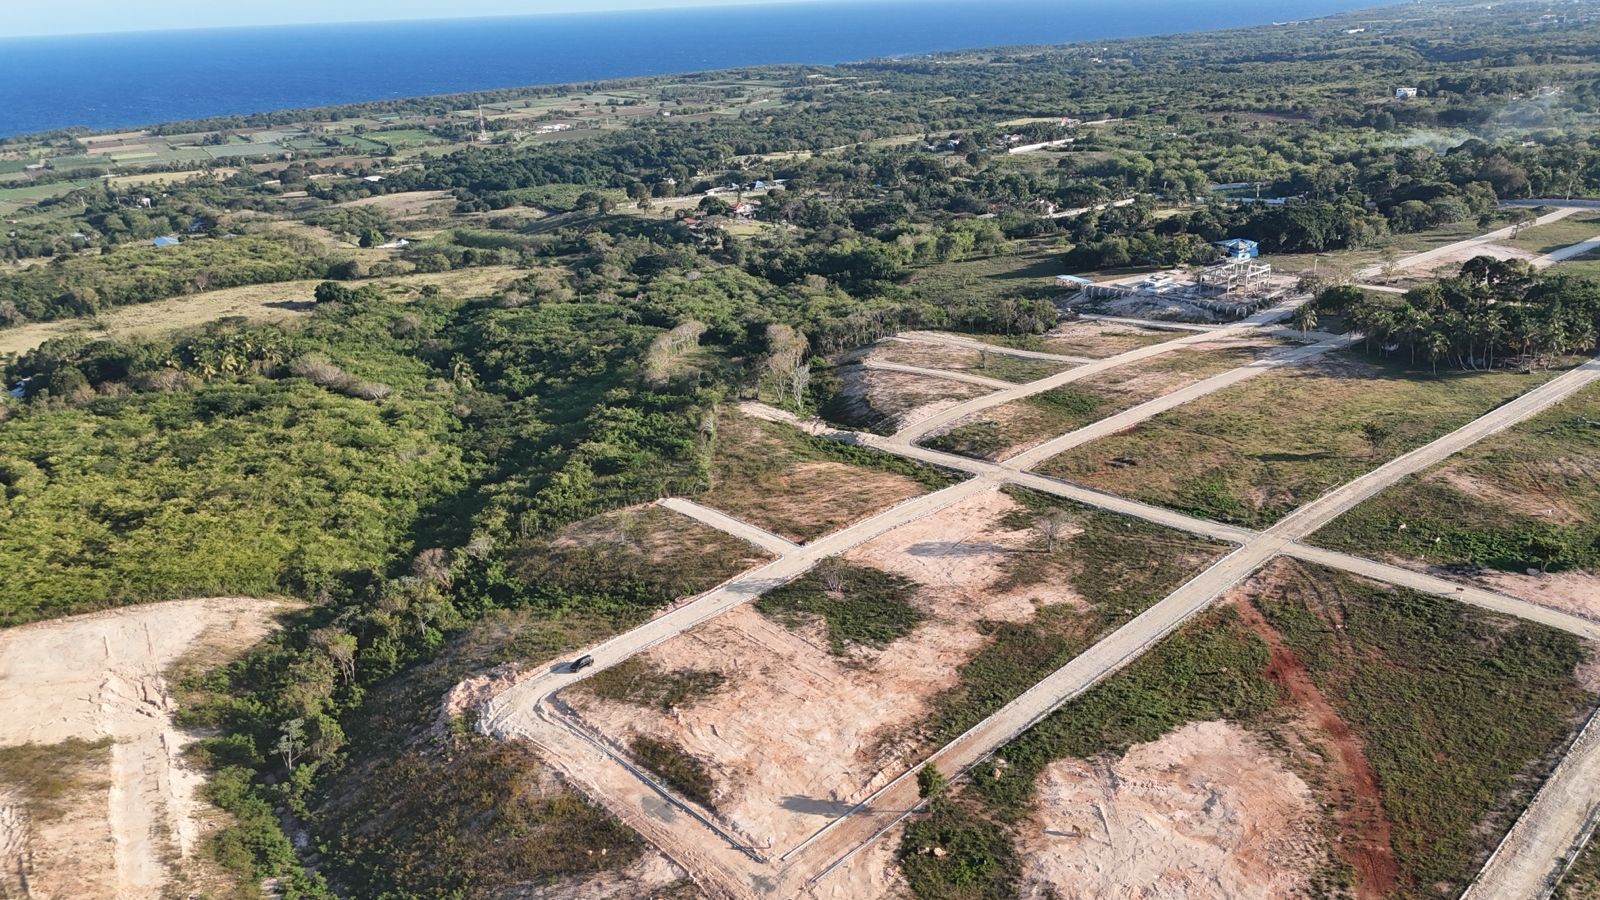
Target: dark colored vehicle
582,662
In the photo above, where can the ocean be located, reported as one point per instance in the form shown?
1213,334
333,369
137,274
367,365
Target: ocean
123,80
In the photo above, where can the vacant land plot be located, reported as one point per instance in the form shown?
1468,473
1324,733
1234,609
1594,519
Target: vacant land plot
1007,430
88,818
860,664
1518,512
645,555
406,204
1253,452
884,402
929,353
1543,239
1089,338
803,487
1317,732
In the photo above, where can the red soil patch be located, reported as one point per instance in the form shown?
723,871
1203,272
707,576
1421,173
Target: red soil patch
1365,833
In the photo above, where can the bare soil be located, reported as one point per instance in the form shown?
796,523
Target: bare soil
405,204
1102,339
103,676
1366,836
1206,811
760,475
796,734
887,402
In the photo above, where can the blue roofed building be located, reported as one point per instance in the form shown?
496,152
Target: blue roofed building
1239,248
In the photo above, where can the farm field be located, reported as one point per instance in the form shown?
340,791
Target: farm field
1518,512
1007,430
1250,453
1385,763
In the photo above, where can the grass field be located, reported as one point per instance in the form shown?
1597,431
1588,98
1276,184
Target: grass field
1528,497
1454,710
1253,452
1545,239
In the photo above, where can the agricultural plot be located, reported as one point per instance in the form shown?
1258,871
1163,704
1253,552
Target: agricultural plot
1315,734
1518,512
860,666
1252,452
1011,428
802,487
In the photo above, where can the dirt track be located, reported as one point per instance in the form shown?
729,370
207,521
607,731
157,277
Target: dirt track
102,676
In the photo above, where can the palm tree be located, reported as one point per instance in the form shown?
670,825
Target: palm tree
1305,317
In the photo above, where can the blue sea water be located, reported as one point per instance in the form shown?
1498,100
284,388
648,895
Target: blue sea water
113,81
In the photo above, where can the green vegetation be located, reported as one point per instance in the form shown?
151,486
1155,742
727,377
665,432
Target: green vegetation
1458,710
676,768
46,776
427,468
1251,453
640,682
1052,412
1208,670
975,858
1118,566
83,285
1527,497
647,556
1582,881
857,605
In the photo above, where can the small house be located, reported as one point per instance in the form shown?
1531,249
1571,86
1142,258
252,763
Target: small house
166,240
1405,93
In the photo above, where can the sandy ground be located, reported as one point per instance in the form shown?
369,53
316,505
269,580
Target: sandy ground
889,401
833,728
1206,811
872,874
1102,339
101,676
1575,592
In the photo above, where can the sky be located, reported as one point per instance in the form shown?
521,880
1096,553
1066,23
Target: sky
88,16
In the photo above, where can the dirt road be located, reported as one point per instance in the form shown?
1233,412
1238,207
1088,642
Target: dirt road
742,530
909,436
1439,254
1145,411
1552,830
101,676
966,343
